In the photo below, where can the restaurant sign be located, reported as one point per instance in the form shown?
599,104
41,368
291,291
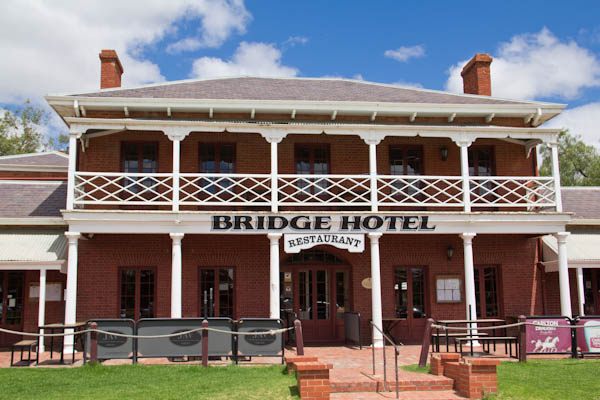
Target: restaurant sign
294,242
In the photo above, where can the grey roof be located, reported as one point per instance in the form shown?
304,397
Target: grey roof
295,89
46,159
584,201
32,198
32,245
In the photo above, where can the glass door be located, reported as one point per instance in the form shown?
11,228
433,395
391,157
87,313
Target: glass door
411,304
11,305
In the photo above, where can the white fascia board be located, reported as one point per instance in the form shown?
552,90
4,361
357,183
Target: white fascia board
310,107
43,153
316,127
31,265
34,221
140,222
32,168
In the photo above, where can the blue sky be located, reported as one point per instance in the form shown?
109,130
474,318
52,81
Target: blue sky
543,50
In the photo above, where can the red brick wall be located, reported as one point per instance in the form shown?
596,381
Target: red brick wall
552,292
101,257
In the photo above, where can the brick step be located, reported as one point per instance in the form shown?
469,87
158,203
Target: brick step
429,395
344,380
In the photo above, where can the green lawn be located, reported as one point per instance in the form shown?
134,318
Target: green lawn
148,382
544,379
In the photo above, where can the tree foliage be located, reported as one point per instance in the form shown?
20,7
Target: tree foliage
22,131
579,163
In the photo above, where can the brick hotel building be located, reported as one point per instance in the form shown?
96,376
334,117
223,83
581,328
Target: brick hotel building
259,197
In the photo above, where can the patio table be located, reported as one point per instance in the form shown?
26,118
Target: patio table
58,328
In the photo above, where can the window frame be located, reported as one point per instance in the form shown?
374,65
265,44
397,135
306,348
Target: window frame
404,148
478,271
137,295
217,156
216,298
409,281
312,147
139,143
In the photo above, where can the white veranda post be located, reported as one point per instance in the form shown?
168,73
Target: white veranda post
563,274
42,306
73,136
274,309
471,308
176,275
580,292
71,300
464,172
376,317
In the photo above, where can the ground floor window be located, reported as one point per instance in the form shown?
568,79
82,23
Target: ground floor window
486,291
216,292
591,291
409,292
137,286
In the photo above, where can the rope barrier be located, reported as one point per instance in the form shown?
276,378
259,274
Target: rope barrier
272,332
482,328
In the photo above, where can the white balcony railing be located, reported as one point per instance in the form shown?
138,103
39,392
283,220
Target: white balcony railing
256,190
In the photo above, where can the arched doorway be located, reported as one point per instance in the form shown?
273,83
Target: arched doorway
315,285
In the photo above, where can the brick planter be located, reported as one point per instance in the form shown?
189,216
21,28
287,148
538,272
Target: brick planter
313,379
292,360
473,377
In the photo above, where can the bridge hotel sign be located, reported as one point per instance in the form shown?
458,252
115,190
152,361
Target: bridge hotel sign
345,233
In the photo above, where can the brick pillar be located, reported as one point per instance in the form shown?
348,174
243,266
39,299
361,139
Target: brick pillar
313,379
439,360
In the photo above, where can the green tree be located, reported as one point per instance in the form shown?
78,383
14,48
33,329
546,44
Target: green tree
579,163
21,131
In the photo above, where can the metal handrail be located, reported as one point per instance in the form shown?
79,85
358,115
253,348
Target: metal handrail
386,337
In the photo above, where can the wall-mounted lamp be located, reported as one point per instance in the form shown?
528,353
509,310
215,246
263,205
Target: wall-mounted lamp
449,252
444,151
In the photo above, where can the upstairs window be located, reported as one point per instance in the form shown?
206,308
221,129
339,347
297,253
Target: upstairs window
312,160
406,161
481,161
139,157
216,159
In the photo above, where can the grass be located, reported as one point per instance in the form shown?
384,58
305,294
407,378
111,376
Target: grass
148,382
543,379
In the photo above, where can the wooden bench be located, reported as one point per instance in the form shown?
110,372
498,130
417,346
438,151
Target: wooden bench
22,345
435,339
508,341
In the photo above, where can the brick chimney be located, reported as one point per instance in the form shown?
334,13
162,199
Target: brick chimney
476,75
110,69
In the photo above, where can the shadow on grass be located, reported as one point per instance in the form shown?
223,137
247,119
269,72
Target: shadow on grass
294,392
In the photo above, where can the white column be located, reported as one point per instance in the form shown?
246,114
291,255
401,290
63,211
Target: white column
42,305
274,307
563,274
556,176
376,317
71,300
176,157
176,275
580,293
373,173
73,136
470,301
274,172
464,172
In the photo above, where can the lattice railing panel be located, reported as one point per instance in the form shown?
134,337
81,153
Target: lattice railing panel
114,188
318,190
512,191
419,191
225,189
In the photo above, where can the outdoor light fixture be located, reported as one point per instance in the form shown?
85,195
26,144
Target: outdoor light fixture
449,252
444,151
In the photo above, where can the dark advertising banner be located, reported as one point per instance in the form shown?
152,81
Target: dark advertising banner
260,344
547,337
112,346
188,344
588,338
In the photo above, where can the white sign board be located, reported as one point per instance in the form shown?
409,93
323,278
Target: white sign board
353,242
53,291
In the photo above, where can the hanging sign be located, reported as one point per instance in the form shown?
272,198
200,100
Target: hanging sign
294,242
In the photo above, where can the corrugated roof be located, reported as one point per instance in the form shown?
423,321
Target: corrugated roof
55,159
580,247
32,198
583,201
32,245
299,89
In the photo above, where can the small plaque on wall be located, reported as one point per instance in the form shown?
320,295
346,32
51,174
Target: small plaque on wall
54,291
448,289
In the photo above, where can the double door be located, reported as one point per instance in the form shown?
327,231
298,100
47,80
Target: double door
319,296
11,306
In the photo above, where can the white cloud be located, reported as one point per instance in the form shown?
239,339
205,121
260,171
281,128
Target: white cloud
293,41
52,47
583,120
412,85
536,65
404,53
256,59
